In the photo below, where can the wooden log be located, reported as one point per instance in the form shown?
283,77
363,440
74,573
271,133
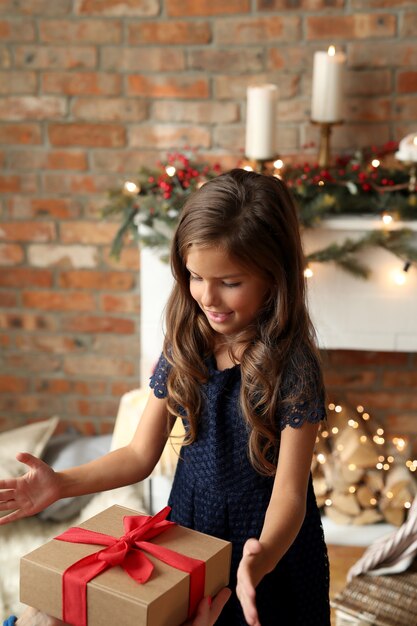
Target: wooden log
346,503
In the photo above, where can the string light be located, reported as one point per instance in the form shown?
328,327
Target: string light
375,163
338,408
171,170
279,164
308,272
131,188
400,277
387,218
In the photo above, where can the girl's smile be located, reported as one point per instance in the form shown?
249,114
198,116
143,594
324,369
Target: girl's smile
229,294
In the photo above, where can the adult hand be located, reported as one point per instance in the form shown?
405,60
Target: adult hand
33,617
209,610
249,574
30,493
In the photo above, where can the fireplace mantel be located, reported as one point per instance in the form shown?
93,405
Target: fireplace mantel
348,313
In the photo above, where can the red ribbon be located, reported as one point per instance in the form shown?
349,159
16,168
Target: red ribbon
128,552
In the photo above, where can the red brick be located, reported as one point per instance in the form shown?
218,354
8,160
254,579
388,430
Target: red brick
351,379
195,112
81,31
120,388
397,54
384,400
400,379
83,427
368,110
17,30
168,86
88,232
11,254
125,8
8,299
299,5
129,259
95,365
52,385
125,161
234,87
55,183
129,303
32,108
55,344
288,57
117,281
28,321
363,83
48,160
88,388
164,59
407,82
59,208
25,277
408,24
381,4
5,340
170,32
358,26
27,231
403,424
95,324
55,57
42,363
58,301
36,7
405,109
188,8
12,384
18,183
109,109
164,136
83,134
13,83
114,344
31,404
20,134
226,60
82,83
97,408
359,358
273,29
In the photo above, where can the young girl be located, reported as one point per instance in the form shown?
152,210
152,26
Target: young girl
240,367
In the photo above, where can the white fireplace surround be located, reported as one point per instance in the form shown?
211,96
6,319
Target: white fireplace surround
348,312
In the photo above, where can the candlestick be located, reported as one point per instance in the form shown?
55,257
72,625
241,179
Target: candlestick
326,101
261,122
324,154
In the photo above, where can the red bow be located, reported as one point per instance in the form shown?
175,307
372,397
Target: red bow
127,551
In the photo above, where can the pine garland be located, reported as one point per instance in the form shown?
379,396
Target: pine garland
149,207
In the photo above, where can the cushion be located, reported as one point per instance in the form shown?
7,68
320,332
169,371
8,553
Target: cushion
65,451
31,438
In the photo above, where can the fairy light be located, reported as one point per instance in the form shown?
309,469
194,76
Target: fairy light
379,466
387,219
278,164
375,163
338,408
365,416
328,502
386,466
360,408
308,272
171,170
389,495
407,505
399,443
131,188
321,458
363,438
400,276
324,434
352,467
381,458
331,406
380,431
390,459
340,447
335,430
352,489
353,423
372,501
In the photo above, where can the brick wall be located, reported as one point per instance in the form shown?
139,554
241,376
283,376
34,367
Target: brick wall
92,89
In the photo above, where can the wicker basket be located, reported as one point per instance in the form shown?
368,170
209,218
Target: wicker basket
379,600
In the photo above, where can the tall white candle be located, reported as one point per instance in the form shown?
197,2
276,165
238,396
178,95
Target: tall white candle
326,101
261,119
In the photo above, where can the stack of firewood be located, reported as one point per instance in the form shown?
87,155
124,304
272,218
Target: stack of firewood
360,476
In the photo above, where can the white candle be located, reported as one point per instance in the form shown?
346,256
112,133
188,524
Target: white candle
326,101
261,121
407,150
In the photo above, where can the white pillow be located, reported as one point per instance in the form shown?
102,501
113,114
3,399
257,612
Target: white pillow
31,438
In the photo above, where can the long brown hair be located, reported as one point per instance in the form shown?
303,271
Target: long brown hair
254,219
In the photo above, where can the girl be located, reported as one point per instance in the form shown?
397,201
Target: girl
239,365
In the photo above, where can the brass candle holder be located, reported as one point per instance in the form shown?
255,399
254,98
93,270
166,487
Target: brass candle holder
324,154
262,166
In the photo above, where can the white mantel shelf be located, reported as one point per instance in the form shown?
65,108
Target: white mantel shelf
348,313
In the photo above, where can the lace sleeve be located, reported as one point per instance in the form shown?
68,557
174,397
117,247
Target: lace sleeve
158,380
295,415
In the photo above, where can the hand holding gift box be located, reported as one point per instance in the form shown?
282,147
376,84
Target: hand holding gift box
167,596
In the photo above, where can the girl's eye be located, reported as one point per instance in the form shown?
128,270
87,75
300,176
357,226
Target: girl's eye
232,284
194,277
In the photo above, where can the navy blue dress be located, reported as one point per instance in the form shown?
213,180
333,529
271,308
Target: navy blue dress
217,491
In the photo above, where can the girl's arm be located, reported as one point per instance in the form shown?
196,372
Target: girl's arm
41,485
284,515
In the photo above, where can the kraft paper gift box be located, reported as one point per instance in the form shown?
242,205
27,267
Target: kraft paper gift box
113,596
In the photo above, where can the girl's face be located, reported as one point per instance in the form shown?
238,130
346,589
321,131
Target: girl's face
229,294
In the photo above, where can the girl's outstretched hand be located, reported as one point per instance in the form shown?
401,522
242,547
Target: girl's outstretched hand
249,574
209,610
30,493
